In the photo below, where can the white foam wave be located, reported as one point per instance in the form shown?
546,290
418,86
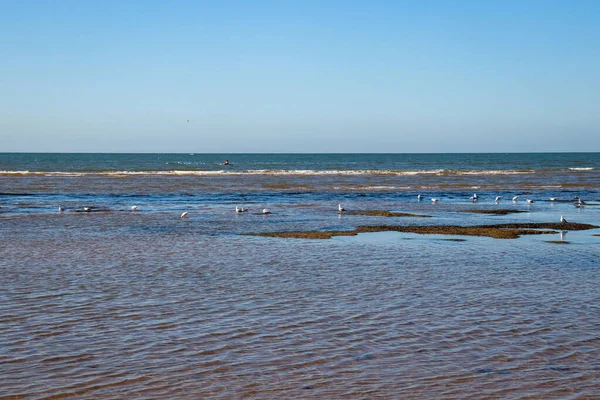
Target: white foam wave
307,172
582,169
495,172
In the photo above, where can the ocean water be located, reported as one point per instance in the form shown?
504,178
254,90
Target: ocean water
116,303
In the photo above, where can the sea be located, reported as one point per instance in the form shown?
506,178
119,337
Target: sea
122,303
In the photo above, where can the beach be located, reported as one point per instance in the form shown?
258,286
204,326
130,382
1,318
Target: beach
121,303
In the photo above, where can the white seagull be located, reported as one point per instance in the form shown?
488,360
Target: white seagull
498,199
266,211
529,201
184,215
60,209
434,200
133,208
562,235
340,208
552,198
240,209
515,198
419,197
563,220
87,209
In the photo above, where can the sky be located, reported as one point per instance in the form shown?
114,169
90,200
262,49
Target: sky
299,76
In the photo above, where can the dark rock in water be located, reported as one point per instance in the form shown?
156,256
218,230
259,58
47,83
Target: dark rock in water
498,231
494,212
384,213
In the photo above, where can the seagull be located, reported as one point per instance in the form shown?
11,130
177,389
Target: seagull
515,198
240,209
184,215
435,201
552,198
498,199
579,202
529,201
563,234
87,209
340,208
563,220
419,197
473,198
60,209
133,208
265,211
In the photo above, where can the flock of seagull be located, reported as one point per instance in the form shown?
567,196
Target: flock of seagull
475,197
341,209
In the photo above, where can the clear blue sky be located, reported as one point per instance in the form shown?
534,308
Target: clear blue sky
301,76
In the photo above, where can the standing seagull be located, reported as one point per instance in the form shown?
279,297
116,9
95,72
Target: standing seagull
498,199
563,220
184,215
419,197
579,202
562,235
60,209
133,208
340,208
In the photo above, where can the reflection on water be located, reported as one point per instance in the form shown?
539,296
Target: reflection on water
121,305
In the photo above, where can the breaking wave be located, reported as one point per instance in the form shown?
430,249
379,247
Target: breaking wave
307,172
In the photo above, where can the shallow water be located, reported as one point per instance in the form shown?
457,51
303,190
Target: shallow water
121,304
